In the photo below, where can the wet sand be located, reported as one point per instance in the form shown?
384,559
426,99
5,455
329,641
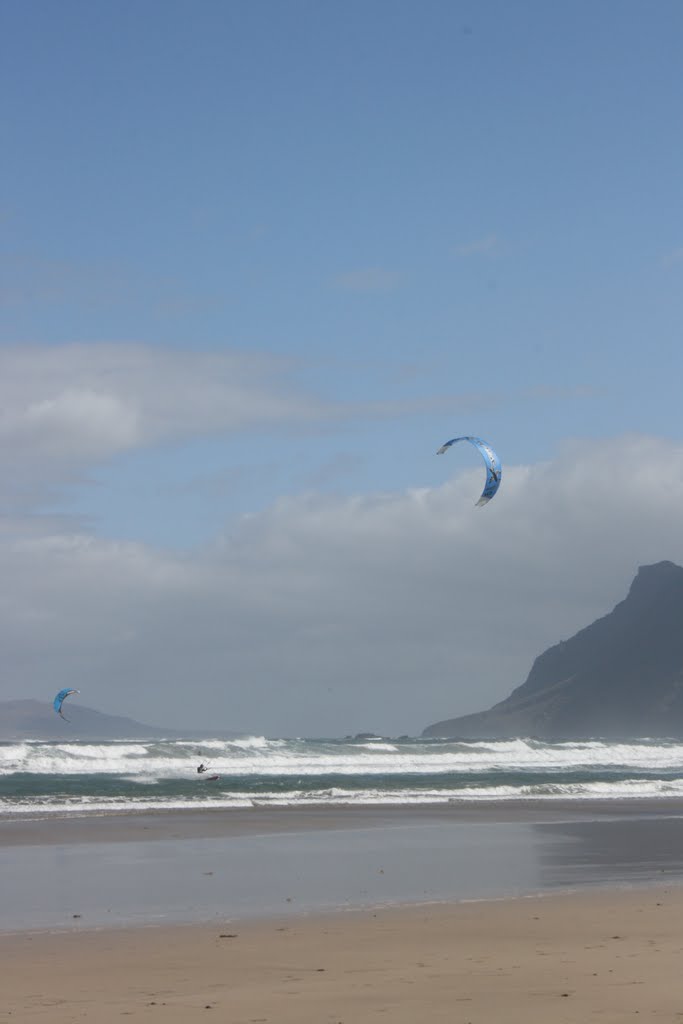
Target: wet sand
23,830
182,868
608,955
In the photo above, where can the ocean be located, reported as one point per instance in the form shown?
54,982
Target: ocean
39,779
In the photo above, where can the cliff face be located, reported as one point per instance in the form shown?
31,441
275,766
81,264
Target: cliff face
620,676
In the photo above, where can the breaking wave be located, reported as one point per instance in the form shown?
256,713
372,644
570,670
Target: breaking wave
100,778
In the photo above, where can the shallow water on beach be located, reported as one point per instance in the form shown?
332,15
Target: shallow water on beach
302,870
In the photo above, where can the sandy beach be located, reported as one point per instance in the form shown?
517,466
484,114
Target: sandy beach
604,955
471,916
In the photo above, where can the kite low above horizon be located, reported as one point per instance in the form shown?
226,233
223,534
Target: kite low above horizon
494,470
59,700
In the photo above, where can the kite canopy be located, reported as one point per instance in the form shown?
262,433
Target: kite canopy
494,471
59,700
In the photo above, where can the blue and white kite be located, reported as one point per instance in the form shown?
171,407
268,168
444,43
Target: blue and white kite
493,468
59,700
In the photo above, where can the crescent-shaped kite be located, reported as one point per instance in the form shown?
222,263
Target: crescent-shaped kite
59,700
494,471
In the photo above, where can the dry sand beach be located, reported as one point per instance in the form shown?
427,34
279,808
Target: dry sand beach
609,956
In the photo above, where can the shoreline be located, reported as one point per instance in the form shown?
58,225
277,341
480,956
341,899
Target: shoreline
125,826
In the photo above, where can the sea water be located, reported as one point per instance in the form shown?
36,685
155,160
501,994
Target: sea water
75,777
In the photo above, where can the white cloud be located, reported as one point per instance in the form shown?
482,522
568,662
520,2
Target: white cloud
74,397
84,420
332,615
64,409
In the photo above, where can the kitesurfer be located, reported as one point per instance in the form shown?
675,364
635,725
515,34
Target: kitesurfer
202,768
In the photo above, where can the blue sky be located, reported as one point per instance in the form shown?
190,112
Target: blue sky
259,252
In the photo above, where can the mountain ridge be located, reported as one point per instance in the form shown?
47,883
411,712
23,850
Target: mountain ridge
622,675
35,719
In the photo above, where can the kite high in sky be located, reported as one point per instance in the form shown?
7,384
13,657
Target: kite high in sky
494,471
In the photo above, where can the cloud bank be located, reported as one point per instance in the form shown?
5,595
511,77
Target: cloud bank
327,615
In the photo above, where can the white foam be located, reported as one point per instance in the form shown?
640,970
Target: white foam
257,755
83,804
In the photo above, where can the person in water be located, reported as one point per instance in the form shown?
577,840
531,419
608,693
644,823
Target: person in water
202,768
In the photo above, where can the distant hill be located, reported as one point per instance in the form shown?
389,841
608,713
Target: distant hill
620,676
37,720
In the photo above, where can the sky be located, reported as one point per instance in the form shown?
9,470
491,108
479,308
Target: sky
259,259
